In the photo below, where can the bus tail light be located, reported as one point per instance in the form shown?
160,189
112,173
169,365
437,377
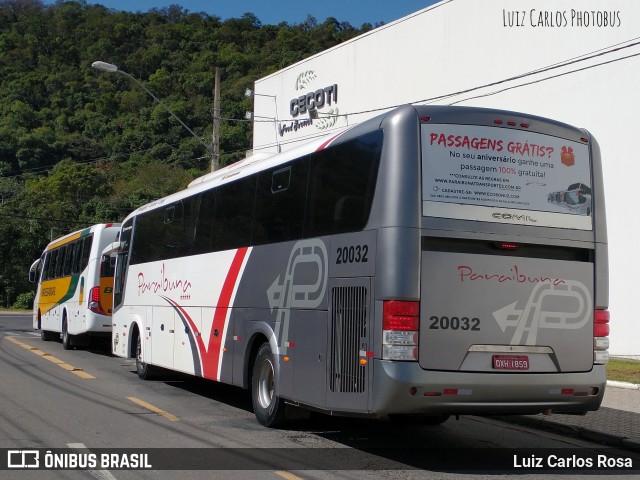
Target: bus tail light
600,337
400,330
94,301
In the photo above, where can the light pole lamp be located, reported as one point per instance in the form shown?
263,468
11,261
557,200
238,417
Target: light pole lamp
248,93
109,67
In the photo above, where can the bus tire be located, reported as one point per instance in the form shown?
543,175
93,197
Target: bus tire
418,419
67,338
48,336
268,408
143,369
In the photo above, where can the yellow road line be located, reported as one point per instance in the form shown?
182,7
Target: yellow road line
287,475
154,409
61,363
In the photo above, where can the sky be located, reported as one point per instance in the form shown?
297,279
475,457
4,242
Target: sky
356,12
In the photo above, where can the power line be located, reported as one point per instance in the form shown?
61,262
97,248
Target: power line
546,78
589,56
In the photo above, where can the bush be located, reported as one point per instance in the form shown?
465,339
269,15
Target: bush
24,301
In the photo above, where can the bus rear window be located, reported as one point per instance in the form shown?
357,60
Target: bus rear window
502,175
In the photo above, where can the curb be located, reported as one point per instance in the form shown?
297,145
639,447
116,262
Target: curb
627,385
573,430
557,425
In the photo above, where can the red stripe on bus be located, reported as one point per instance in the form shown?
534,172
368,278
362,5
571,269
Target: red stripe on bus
210,364
325,144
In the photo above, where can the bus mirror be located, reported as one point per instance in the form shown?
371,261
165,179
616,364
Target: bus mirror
33,271
112,249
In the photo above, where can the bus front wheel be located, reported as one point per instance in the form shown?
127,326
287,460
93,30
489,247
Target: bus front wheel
143,369
67,339
267,406
46,335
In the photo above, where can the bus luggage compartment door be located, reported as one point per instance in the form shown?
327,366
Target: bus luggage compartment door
491,313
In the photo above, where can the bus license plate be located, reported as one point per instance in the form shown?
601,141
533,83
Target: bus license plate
510,362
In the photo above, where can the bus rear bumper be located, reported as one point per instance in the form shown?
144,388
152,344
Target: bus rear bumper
404,387
98,325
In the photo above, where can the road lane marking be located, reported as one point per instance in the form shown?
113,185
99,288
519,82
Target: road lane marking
154,409
61,363
287,475
97,474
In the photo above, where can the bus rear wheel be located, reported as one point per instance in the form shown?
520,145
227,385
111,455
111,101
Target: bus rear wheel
269,409
48,336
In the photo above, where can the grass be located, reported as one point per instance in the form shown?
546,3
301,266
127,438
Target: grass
623,370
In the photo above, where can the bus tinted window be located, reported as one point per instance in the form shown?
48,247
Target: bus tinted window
233,214
46,265
68,259
107,266
328,192
148,238
60,261
77,256
86,251
122,261
280,200
204,225
341,185
53,258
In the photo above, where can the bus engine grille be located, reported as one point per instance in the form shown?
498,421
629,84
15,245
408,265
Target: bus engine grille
349,313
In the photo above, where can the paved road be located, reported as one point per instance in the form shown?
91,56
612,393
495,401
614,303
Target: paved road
52,398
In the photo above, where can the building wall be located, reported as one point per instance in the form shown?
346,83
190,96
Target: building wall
487,54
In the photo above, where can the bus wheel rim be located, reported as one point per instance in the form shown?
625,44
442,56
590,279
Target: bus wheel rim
265,384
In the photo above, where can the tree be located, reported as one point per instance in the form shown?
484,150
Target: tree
79,146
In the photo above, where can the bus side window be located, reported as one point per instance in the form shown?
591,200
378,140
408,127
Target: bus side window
172,231
233,214
342,182
107,265
60,261
51,271
45,266
204,226
68,259
86,251
77,255
280,199
122,261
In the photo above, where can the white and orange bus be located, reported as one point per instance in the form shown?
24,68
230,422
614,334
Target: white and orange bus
74,295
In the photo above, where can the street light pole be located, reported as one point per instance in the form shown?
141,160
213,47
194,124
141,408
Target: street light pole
108,67
215,136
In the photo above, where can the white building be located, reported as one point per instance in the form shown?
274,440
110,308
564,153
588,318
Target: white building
577,61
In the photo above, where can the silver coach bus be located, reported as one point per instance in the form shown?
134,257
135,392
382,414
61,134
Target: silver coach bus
410,266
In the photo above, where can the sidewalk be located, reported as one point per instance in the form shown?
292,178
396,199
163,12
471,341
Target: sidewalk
616,423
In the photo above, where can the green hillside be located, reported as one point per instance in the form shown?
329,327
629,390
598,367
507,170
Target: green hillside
79,146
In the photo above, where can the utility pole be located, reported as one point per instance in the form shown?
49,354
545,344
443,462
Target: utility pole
215,137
